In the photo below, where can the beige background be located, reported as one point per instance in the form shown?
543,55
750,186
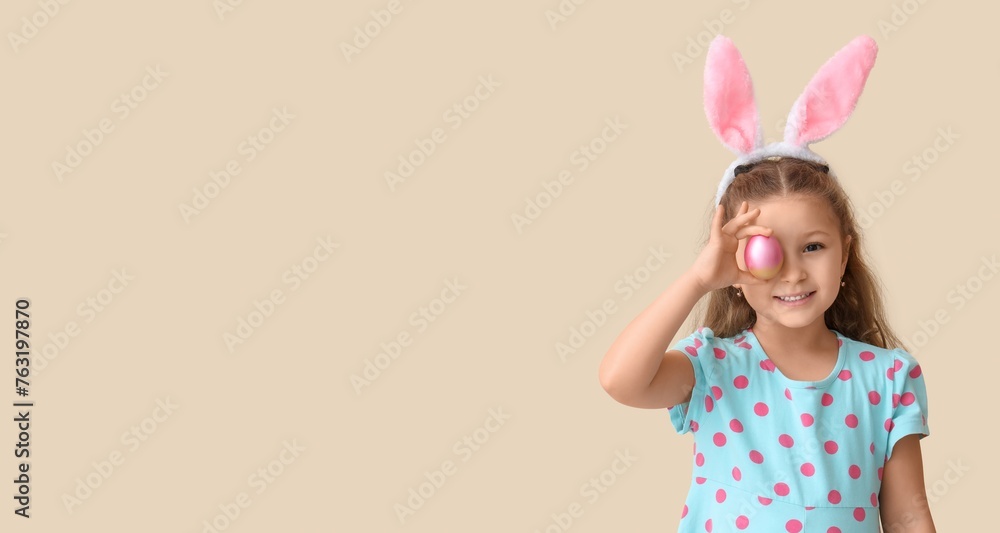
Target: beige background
161,337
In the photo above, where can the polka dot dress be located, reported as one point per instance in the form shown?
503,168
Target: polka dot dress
773,454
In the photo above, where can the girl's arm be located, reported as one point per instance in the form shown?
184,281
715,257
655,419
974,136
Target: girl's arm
902,499
636,371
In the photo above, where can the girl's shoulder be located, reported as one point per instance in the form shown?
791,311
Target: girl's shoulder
870,352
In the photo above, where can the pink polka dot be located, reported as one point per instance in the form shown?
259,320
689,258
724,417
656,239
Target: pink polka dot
786,440
788,393
719,438
897,365
737,475
700,480
717,392
684,511
915,372
760,408
736,425
767,365
834,529
874,397
827,399
907,398
874,498
694,426
793,526
830,447
756,457
889,424
807,469
781,489
895,399
859,514
833,496
708,403
720,353
891,374
741,382
844,375
692,350
872,448
851,420
866,356
708,525
720,495
742,522
764,501
807,419
854,471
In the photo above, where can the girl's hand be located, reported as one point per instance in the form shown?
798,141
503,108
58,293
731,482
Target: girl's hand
716,266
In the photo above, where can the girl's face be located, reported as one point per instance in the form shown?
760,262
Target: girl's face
815,256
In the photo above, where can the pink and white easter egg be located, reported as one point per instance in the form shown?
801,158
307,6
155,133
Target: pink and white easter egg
763,256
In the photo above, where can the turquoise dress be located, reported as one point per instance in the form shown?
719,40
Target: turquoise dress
773,454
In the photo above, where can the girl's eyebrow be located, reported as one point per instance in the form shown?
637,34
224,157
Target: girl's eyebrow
817,232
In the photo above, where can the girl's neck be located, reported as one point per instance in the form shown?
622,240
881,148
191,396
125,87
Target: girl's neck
776,338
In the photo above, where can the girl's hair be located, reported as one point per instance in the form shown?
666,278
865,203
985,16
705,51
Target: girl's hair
857,312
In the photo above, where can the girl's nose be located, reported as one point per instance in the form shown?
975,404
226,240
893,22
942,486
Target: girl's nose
791,269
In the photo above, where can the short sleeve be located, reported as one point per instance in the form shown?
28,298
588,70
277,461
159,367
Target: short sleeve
700,349
909,400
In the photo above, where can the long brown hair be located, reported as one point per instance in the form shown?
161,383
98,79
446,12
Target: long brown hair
857,312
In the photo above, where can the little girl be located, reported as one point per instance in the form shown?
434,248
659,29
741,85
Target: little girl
806,409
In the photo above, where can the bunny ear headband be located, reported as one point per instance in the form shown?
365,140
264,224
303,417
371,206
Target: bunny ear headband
822,108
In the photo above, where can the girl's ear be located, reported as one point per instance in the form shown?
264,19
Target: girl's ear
729,101
847,249
830,97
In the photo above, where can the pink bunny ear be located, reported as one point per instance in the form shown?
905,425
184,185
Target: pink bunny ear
729,101
829,98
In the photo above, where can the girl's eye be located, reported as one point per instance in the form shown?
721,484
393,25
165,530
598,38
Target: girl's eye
814,244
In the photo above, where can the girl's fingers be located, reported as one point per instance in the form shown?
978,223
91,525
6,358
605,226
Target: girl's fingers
716,230
739,220
746,231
